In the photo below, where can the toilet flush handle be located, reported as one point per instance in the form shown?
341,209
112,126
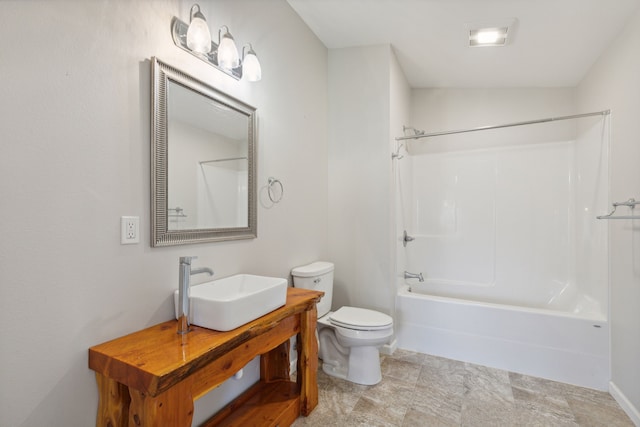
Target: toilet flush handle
316,281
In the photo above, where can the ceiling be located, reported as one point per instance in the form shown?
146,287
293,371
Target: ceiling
554,42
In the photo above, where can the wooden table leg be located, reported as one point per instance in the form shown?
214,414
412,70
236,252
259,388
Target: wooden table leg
308,361
174,407
113,403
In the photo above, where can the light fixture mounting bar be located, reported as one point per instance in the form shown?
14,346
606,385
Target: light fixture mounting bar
179,32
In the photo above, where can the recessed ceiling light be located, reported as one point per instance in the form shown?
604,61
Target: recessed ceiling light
494,36
493,33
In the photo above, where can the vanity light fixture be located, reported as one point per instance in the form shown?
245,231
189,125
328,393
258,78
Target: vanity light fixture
195,38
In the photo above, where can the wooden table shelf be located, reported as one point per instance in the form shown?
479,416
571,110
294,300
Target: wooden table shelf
264,404
152,377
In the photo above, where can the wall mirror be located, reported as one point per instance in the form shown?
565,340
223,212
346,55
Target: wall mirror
203,167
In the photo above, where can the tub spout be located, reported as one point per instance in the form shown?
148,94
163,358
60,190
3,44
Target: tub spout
418,276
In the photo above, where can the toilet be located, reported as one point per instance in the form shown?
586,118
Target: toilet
349,338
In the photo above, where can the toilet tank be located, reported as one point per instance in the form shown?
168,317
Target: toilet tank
319,277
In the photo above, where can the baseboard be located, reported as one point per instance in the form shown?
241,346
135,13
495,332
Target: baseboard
388,349
625,404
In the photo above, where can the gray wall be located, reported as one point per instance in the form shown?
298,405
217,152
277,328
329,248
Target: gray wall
614,82
368,103
74,136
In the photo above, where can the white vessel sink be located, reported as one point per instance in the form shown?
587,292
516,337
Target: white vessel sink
225,304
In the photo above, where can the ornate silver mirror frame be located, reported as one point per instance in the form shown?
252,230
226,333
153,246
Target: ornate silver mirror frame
161,233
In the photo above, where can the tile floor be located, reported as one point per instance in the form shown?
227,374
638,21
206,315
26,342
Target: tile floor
421,390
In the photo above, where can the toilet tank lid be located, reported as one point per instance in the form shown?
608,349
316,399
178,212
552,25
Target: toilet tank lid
314,269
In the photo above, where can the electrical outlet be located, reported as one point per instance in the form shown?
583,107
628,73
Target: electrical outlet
129,230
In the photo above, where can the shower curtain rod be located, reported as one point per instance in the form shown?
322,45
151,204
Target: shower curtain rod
530,122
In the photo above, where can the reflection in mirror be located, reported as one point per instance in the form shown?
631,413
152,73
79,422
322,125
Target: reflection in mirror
203,162
207,176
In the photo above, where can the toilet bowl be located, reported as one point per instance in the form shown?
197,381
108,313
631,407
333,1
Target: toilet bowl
351,351
350,337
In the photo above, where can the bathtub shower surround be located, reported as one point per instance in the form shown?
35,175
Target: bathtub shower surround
514,259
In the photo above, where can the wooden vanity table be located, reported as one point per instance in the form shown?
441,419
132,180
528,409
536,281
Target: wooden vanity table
152,377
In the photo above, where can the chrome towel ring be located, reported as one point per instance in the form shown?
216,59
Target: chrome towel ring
275,198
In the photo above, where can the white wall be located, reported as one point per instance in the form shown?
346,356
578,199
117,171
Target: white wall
400,115
614,82
75,119
367,95
434,110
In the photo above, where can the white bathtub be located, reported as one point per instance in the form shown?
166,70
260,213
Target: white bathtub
571,347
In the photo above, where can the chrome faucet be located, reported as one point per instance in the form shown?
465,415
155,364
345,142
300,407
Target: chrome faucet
184,278
418,276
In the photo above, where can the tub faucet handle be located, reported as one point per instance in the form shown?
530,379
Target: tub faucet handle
406,238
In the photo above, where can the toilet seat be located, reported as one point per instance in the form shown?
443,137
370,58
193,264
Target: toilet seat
360,319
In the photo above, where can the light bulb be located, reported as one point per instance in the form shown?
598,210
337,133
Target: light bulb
485,37
228,52
198,35
251,67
